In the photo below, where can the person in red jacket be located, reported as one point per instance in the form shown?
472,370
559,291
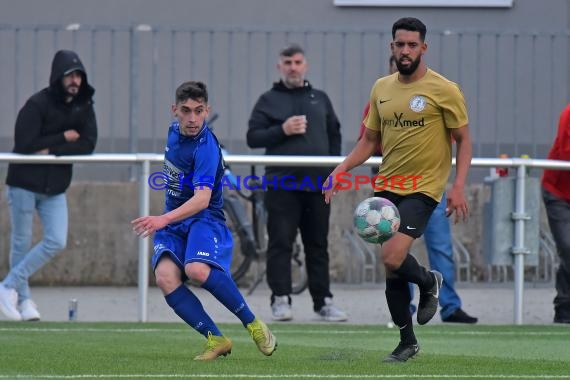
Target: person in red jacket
556,195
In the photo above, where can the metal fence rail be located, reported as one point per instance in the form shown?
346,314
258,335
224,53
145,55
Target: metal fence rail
144,160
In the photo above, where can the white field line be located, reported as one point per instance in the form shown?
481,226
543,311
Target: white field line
285,332
88,329
290,376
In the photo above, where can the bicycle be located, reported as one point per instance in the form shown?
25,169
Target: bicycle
249,231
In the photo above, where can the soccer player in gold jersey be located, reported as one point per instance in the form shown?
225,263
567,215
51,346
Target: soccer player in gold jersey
416,111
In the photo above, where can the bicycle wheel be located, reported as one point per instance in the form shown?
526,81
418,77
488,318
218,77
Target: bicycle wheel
299,281
244,248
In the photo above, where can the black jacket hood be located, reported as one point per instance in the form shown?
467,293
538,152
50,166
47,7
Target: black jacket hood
65,62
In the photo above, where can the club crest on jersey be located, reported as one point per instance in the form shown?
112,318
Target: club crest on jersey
417,103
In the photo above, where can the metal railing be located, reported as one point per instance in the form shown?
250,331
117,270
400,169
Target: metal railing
144,160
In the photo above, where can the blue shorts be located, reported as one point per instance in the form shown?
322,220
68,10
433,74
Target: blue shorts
204,240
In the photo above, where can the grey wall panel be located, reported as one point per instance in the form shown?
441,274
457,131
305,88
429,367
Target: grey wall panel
512,64
290,14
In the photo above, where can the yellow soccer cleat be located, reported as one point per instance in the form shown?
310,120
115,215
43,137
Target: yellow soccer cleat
263,337
215,346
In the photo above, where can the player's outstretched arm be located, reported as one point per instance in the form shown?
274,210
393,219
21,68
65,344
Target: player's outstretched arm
456,202
147,225
363,150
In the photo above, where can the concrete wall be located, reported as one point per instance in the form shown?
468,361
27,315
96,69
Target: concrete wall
102,249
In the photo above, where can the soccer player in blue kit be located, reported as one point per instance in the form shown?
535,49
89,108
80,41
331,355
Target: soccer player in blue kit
192,240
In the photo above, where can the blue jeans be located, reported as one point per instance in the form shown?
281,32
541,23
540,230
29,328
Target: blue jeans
437,236
24,262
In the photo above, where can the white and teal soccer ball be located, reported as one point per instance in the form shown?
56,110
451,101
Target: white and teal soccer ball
376,220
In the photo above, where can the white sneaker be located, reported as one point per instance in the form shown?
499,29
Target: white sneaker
330,313
281,310
29,311
9,303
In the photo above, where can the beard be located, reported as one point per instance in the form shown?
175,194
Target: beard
408,70
72,90
293,81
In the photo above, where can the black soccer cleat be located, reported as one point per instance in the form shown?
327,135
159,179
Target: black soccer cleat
459,316
428,300
402,353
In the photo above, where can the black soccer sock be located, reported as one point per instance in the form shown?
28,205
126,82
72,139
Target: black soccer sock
412,271
398,298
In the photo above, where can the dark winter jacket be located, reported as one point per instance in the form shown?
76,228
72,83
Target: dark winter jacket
322,137
41,124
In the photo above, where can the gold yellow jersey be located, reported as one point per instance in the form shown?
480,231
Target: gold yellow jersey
414,121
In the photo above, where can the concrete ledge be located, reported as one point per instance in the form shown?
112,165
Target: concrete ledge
102,250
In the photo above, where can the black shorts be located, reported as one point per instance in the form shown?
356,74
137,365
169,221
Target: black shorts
415,210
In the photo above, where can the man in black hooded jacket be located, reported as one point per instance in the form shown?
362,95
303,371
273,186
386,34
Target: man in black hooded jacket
58,120
293,118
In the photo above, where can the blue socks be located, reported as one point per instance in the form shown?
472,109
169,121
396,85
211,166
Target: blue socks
188,307
223,287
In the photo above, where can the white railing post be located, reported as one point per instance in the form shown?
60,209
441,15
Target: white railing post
519,250
144,209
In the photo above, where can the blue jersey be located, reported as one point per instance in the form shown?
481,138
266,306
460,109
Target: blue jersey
192,162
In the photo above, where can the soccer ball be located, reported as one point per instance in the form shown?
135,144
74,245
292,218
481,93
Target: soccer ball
376,220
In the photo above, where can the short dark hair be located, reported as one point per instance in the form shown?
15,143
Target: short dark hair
411,24
290,50
192,90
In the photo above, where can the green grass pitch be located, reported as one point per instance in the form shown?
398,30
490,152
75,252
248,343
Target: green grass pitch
45,350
